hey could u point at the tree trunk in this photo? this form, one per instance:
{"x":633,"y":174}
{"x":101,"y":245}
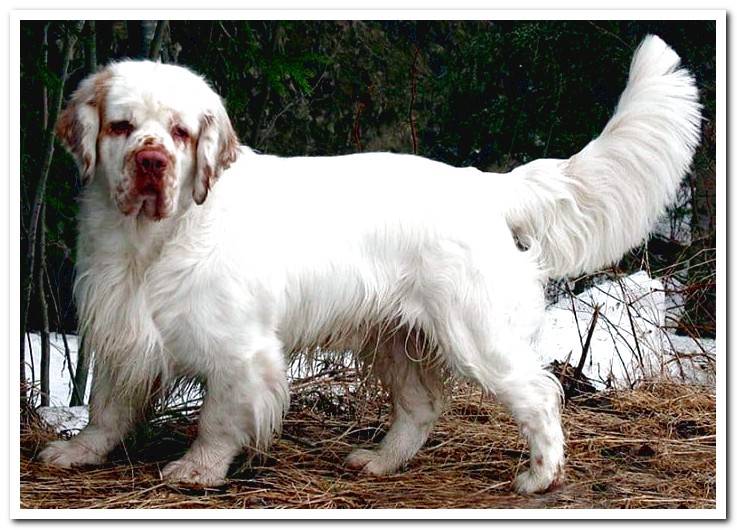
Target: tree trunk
{"x":81,"y":374}
{"x":135,"y":38}
{"x":140,"y":35}
{"x":148,"y":30}
{"x":154,"y":52}
{"x":703,"y":222}
{"x":262,"y":98}
{"x":45,"y":349}
{"x":45,"y":92}
{"x":105,"y":41}
{"x":90,"y":48}
{"x":701,"y":293}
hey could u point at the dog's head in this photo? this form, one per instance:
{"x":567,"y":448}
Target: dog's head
{"x":150,"y":130}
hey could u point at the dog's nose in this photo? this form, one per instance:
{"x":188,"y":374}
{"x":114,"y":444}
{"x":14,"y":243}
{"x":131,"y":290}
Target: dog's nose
{"x":151,"y":162}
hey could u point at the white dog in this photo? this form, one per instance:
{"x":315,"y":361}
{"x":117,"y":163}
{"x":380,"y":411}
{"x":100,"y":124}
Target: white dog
{"x":408,"y":262}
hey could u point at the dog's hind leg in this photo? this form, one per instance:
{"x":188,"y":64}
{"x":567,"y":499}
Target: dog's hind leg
{"x":484,"y":306}
{"x":534,"y":398}
{"x":416,"y":390}
{"x":489,"y":348}
{"x":532,"y":395}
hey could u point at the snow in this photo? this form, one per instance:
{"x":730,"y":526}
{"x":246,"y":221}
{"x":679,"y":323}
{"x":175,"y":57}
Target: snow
{"x":60,"y":383}
{"x":630,"y":343}
{"x":65,"y":420}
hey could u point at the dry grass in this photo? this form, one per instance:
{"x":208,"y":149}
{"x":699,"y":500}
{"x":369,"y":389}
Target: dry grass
{"x":653,"y":447}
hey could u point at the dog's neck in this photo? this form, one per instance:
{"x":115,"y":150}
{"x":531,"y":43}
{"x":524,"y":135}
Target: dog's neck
{"x":135,"y":239}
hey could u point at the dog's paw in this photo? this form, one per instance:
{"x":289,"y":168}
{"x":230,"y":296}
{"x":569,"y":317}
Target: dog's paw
{"x":69,"y":453}
{"x":193,"y":473}
{"x":369,"y":462}
{"x":529,"y":482}
{"x":359,"y":458}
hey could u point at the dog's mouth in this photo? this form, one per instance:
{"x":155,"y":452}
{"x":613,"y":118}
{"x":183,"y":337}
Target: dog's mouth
{"x":150,"y":208}
{"x":145,"y":202}
{"x":149,"y":195}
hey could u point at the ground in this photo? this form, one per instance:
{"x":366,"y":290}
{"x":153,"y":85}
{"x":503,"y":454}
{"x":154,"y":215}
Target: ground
{"x":653,"y":447}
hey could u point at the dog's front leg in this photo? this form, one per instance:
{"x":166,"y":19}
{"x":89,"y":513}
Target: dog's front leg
{"x":114,"y":408}
{"x":245,"y":402}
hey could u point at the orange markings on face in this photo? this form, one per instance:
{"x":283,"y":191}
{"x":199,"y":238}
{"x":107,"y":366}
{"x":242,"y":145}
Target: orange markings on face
{"x":180,"y":134}
{"x":100,"y":90}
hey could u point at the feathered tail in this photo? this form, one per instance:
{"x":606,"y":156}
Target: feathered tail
{"x":584,"y":213}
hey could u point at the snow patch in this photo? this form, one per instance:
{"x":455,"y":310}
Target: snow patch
{"x":60,"y":382}
{"x":65,"y":420}
{"x":630,"y":342}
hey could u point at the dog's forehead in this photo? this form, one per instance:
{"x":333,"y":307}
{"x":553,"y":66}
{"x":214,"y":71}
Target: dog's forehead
{"x":157,"y":90}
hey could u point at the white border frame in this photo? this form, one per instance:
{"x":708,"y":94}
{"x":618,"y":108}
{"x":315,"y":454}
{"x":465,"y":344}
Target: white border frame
{"x":13,"y":290}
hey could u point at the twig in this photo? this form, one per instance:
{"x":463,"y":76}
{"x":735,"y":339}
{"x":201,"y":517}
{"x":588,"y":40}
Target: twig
{"x":585,"y":351}
{"x":77,"y":398}
{"x":575,"y":313}
{"x":607,"y":32}
{"x":627,"y":305}
{"x":564,"y":369}
{"x":269,"y":128}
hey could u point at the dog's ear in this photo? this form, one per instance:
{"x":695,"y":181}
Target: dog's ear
{"x":217,"y":148}
{"x":78,"y":125}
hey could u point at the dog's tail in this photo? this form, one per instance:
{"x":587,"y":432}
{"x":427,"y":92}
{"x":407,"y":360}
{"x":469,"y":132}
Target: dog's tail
{"x":584,"y":213}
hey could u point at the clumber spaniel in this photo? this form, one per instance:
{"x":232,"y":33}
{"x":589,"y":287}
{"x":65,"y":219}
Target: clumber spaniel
{"x":199,"y":257}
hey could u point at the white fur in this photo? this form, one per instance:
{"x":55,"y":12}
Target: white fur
{"x":410,"y":263}
{"x":587,"y":211}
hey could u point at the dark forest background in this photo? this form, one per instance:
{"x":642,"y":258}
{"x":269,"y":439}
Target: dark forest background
{"x":489,"y":94}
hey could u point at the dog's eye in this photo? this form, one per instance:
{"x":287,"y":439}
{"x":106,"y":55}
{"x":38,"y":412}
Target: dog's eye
{"x":180,"y":132}
{"x":122,"y":127}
